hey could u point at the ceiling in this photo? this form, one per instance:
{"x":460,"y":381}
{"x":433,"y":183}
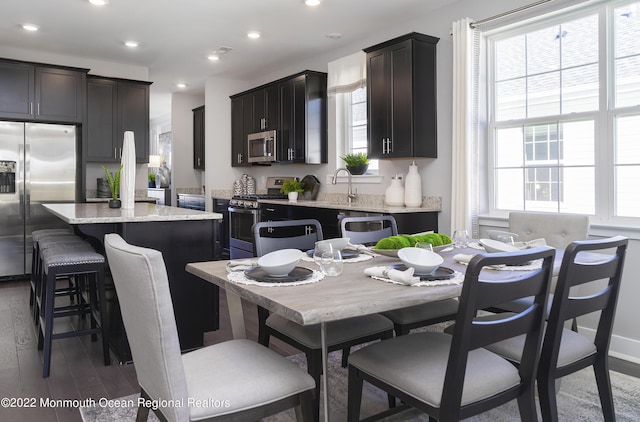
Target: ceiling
{"x":177,"y":36}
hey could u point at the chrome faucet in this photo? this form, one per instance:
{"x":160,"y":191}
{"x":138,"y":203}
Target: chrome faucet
{"x":350,"y":195}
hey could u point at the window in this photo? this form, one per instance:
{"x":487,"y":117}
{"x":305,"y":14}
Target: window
{"x":356,"y":124}
{"x":565,"y":114}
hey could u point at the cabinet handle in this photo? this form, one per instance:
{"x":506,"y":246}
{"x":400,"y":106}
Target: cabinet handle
{"x":115,"y":153}
{"x":384,"y":145}
{"x":38,"y":109}
{"x":263,"y":123}
{"x":31,"y":108}
{"x":198,"y":161}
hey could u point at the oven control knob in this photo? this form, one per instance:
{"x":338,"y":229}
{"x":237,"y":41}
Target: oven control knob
{"x":253,"y":204}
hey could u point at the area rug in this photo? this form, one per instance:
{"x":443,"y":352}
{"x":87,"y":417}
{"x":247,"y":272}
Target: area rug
{"x":577,"y":401}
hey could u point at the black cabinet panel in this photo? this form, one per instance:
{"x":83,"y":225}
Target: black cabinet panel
{"x":295,"y":107}
{"x":42,"y":93}
{"x":401,"y":94}
{"x":198,"y":138}
{"x":116,"y":106}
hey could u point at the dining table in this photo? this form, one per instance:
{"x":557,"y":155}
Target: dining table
{"x":350,"y":294}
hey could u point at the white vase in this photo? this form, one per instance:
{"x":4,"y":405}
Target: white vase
{"x":394,"y":195}
{"x":293,"y":196}
{"x":128,"y":172}
{"x":413,"y":187}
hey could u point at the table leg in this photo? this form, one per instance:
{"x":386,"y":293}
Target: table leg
{"x":236,"y":315}
{"x":325,"y":369}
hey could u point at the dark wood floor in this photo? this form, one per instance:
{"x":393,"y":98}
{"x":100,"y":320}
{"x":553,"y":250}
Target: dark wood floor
{"x":77,"y":370}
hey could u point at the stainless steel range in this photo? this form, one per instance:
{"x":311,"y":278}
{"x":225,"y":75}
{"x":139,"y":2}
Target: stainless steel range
{"x":244,"y":212}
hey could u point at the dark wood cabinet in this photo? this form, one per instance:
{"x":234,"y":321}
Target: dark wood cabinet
{"x":401,"y":97}
{"x":43,"y":93}
{"x":303,"y":119}
{"x":295,"y":106}
{"x":238,"y":133}
{"x":198,"y":138}
{"x":113,"y":107}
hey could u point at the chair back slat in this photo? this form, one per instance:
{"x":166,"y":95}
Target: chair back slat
{"x":501,"y":291}
{"x":264,"y":243}
{"x":387,"y":227}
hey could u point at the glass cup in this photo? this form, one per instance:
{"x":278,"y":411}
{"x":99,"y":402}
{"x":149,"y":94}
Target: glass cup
{"x":460,"y":238}
{"x":331,"y":263}
{"x":425,"y":245}
{"x":318,"y":251}
{"x":506,"y":238}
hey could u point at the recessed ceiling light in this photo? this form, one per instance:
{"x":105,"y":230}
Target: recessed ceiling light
{"x":334,"y":35}
{"x":213,"y":57}
{"x":131,"y":44}
{"x":99,"y":2}
{"x":181,"y":85}
{"x":312,"y":2}
{"x":253,"y":34}
{"x":30,"y":27}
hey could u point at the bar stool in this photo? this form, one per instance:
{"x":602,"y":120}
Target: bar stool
{"x":44,"y":242}
{"x":72,"y":260}
{"x":36,"y":236}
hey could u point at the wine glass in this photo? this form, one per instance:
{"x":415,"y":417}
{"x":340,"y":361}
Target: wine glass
{"x":460,"y":238}
{"x":332,"y":262}
{"x":425,"y":245}
{"x":318,"y":251}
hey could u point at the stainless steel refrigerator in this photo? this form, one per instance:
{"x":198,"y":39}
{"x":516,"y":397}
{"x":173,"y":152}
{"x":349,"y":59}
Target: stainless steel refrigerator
{"x":37,"y":165}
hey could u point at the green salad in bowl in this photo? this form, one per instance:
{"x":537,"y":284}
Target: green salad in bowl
{"x":390,"y":245}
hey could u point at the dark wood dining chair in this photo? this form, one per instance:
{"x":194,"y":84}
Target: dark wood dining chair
{"x":369,"y":230}
{"x":587,"y":284}
{"x":451,"y":377}
{"x":341,"y":335}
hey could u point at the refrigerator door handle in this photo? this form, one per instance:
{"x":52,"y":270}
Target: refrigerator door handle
{"x":27,"y":181}
{"x":19,"y":179}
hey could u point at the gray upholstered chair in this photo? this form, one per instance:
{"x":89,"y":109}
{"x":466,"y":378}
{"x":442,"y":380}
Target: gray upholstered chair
{"x":452,"y":377}
{"x":405,"y":319}
{"x":250,"y":380}
{"x":565,"y":351}
{"x":341,"y":335}
{"x":557,"y":229}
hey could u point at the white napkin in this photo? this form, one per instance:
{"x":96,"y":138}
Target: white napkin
{"x":462,"y":258}
{"x":404,"y":277}
{"x":241,"y":265}
{"x":359,"y":248}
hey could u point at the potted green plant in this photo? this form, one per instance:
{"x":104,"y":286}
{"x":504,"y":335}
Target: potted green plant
{"x":292,"y":188}
{"x":152,"y":180}
{"x":114,"y":185}
{"x":357,"y":163}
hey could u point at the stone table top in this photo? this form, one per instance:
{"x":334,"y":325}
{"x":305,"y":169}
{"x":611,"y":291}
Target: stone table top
{"x":97,"y":213}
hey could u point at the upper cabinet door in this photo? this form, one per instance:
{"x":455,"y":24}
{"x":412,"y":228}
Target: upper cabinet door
{"x":60,"y":95}
{"x":198,"y":138}
{"x":401,"y":97}
{"x":133,"y":115}
{"x":102,"y":97}
{"x":17,"y":88}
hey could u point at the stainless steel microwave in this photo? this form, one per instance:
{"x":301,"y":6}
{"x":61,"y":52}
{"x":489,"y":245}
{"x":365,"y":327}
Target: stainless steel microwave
{"x":262,"y":147}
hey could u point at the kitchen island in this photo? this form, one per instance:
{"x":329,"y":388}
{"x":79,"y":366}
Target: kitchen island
{"x":182,"y":235}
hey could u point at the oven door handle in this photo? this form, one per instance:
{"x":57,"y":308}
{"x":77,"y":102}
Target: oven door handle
{"x":243,"y":210}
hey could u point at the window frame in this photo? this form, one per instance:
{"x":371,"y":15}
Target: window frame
{"x":604,"y":117}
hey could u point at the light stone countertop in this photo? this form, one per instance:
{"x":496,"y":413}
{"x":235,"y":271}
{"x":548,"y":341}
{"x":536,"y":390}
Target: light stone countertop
{"x":97,"y":213}
{"x":427,"y":206}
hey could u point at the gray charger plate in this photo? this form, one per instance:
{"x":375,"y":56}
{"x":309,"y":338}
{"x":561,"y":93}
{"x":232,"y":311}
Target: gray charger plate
{"x":441,"y":273}
{"x":297,"y":274}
